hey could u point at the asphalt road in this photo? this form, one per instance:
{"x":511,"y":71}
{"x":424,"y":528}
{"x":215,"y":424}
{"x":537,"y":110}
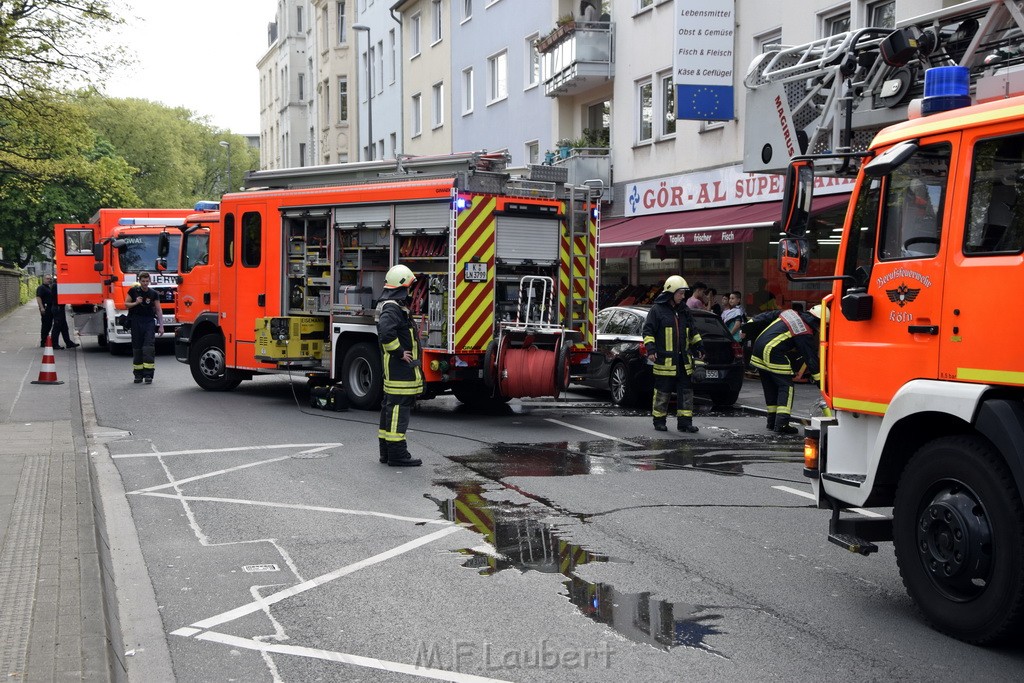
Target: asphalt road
{"x":585,"y":546}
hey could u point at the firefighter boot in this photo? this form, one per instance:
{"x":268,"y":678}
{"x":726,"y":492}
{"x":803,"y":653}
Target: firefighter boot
{"x":685,"y":424}
{"x":659,"y":424}
{"x":771,"y":422}
{"x":399,"y":456}
{"x":782,"y":426}
{"x":383,"y":446}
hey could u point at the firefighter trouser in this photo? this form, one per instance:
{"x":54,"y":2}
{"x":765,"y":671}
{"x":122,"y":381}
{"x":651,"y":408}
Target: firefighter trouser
{"x":46,"y":318}
{"x":394,"y":421}
{"x":143,"y":346}
{"x":778,"y":393}
{"x":664,"y":387}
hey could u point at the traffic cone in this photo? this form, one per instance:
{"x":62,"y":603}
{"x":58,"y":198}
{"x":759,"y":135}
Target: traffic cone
{"x":48,"y":370}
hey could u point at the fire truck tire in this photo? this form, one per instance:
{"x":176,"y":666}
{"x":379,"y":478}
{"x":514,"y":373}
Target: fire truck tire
{"x":208,"y":365}
{"x":362,"y":375}
{"x":562,"y":367}
{"x":490,"y":370}
{"x":958,"y":530}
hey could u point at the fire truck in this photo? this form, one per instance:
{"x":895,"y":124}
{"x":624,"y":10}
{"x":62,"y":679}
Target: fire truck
{"x":506,"y":277}
{"x":98,"y":262}
{"x":920,"y":368}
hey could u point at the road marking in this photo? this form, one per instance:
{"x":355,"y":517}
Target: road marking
{"x":263,"y":603}
{"x":593,"y":433}
{"x":297,"y":506}
{"x":808,"y":494}
{"x":208,"y":474}
{"x":233,"y":449}
{"x":345,"y":658}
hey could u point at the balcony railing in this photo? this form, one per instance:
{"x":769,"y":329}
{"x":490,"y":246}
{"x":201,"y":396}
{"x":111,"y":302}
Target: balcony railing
{"x":589,"y":163}
{"x":578,"y":56}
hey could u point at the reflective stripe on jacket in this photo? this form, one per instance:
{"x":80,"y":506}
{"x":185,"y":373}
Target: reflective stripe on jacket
{"x":397,"y":334}
{"x":790,"y":333}
{"x":670,"y":333}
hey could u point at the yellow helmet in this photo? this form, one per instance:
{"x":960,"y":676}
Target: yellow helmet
{"x":816,"y":312}
{"x":675,"y":282}
{"x":399,"y":276}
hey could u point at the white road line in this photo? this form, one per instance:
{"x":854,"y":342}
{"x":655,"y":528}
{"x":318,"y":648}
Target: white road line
{"x":262,"y":603}
{"x":599,"y":434}
{"x":233,"y":449}
{"x":208,"y":474}
{"x":808,"y":494}
{"x":297,"y":506}
{"x":345,"y":658}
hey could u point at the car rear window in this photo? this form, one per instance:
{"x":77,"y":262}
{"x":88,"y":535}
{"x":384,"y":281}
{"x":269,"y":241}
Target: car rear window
{"x":711,"y":326}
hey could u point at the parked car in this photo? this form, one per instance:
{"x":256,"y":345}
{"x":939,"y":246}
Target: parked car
{"x":619,"y":360}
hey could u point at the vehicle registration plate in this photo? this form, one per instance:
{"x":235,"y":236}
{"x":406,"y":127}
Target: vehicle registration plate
{"x":711,"y":374}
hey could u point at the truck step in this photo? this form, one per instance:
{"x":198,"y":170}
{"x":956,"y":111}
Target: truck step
{"x":853,"y":543}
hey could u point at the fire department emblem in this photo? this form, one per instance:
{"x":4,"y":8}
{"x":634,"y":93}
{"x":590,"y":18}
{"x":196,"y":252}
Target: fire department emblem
{"x":902,"y":295}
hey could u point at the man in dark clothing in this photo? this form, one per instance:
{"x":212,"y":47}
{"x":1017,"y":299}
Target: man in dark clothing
{"x":60,"y":322}
{"x":145,"y":318}
{"x":671,"y":340}
{"x":44,"y":301}
{"x":788,"y":334}
{"x":403,"y":379}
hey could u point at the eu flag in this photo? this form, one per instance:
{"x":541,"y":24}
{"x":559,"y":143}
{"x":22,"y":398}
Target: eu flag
{"x":704,"y":102}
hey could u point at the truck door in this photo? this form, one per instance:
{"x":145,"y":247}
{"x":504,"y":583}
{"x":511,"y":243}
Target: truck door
{"x":985,"y":274}
{"x":252,"y":272}
{"x":896,"y":245}
{"x":79,"y":282}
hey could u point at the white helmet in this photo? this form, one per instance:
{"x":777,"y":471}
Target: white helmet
{"x":674,"y":283}
{"x":816,"y":312}
{"x":399,"y":276}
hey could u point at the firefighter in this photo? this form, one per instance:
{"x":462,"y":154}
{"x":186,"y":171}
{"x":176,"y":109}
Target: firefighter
{"x":403,"y":379}
{"x":671,"y":340}
{"x":788,"y":334}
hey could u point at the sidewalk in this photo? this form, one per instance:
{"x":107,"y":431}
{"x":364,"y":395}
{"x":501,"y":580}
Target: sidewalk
{"x":53,"y":559}
{"x":805,"y":399}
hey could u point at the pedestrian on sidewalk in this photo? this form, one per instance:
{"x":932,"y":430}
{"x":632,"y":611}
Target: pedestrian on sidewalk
{"x":145,"y":318}
{"x":789,"y":334}
{"x":403,"y":379}
{"x":60,"y":321}
{"x":671,"y":340}
{"x":44,"y":299}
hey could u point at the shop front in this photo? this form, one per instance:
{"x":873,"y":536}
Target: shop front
{"x":718,"y":227}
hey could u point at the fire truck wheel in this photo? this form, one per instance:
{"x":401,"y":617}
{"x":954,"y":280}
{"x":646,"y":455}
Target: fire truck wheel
{"x":490,"y":369}
{"x":362,"y":376}
{"x":958,"y":530}
{"x":208,"y":365}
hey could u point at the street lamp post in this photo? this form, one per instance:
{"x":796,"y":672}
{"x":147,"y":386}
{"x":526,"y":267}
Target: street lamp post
{"x":227,"y":181}
{"x":369,"y":91}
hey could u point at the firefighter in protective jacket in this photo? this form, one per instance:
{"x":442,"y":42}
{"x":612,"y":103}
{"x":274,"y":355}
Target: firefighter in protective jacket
{"x":789,"y":334}
{"x":403,"y":379}
{"x":671,"y":341}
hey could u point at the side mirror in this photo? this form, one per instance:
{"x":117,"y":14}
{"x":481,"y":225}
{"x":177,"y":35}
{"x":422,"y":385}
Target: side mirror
{"x":118,"y":244}
{"x":891,"y":159}
{"x":98,"y":266}
{"x":793,"y":255}
{"x":161,"y":265}
{"x":163,"y":245}
{"x":97,"y":252}
{"x":796,"y":200}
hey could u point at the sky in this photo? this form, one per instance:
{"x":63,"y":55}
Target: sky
{"x":197,"y":54}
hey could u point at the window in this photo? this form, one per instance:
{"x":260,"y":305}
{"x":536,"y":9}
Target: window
{"x":497,"y":71}
{"x":298,"y":20}
{"x":435,"y":14}
{"x":645,"y":112}
{"x":416,"y":115}
{"x":834,"y":24}
{"x":914,"y":196}
{"x":252,"y":239}
{"x":995,"y":214}
{"x":414,"y":35}
{"x":343,"y":99}
{"x":437,"y":105}
{"x":229,"y":240}
{"x":327,"y":104}
{"x":302,"y":154}
{"x":533,"y":63}
{"x":767,"y":41}
{"x":467,"y":10}
{"x":533,"y":152}
{"x":342,"y":33}
{"x":392,"y":55}
{"x":378,"y":65}
{"x":882,"y":14}
{"x":302,"y":87}
{"x":668,"y":107}
{"x":77,"y":242}
{"x":196,"y":249}
{"x":467,"y":91}
{"x":644,"y":4}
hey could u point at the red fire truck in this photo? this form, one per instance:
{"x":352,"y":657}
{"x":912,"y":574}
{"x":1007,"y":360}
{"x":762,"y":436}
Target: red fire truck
{"x":506,"y":269}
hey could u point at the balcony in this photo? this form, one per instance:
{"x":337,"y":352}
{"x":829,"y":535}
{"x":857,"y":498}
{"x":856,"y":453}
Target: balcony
{"x":578,"y":57}
{"x":588,"y":163}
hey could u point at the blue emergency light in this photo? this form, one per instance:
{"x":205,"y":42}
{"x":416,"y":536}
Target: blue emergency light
{"x":946,"y":88}
{"x":207,"y":206}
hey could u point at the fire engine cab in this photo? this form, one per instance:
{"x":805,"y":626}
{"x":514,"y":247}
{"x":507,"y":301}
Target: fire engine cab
{"x":506,"y":276}
{"x":922,"y":373}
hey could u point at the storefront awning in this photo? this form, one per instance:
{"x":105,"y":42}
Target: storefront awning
{"x":623,"y":237}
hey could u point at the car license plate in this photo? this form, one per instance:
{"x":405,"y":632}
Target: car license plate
{"x":711,"y":374}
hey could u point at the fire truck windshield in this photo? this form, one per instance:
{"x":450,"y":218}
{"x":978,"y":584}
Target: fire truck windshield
{"x":140,"y":252}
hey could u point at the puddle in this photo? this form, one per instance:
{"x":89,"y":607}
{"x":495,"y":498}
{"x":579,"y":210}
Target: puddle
{"x":517,"y":537}
{"x":563,"y":459}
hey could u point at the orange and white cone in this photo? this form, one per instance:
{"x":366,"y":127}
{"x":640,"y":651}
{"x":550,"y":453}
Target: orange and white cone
{"x":48,"y":370}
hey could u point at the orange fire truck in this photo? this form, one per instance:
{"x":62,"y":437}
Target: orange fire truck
{"x":98,"y":262}
{"x":921,"y":370}
{"x":506,"y":276}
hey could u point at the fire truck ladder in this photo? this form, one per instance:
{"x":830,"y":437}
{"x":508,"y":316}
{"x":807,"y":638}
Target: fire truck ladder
{"x":580,"y":295}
